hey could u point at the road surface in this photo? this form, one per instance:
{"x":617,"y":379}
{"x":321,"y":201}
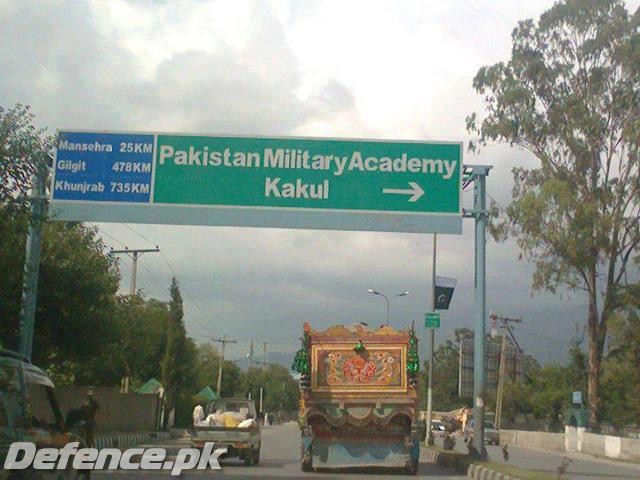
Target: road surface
{"x":582,"y":467}
{"x":279,"y":459}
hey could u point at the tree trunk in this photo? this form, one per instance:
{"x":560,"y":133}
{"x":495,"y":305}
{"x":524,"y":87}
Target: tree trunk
{"x":594,"y":356}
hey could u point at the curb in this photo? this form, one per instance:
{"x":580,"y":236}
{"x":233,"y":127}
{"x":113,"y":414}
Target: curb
{"x":125,"y":440}
{"x":462,"y":465}
{"x":457,"y":462}
{"x":478,"y":472}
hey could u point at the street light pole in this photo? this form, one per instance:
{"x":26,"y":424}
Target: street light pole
{"x":33,"y":247}
{"x":386,"y":299}
{"x":432,"y":341}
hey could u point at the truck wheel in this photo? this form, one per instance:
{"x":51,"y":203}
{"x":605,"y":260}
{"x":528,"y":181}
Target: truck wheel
{"x":306,"y":464}
{"x":249,"y":458}
{"x":411,"y":467}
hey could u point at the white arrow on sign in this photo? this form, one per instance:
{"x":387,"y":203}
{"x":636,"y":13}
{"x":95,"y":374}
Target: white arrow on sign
{"x":415,"y":191}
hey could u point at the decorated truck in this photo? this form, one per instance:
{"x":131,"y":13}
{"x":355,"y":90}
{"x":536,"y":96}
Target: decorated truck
{"x":358,"y":395}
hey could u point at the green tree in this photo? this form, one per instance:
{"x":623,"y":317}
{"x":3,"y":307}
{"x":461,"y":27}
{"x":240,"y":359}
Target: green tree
{"x":445,"y":376}
{"x":570,"y":95}
{"x":21,"y":144}
{"x":547,"y":391}
{"x":184,"y":396}
{"x":208,"y":360}
{"x":621,"y":368}
{"x":76,"y":290}
{"x":445,"y":373}
{"x":174,"y":366}
{"x":280,"y":390}
{"x":141,"y":325}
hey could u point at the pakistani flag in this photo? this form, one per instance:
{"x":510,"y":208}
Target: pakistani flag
{"x":444,"y":292}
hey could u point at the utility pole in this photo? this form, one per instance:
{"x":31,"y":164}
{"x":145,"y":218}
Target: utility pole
{"x":251,"y":355}
{"x":38,"y":203}
{"x":503,"y":354}
{"x":432,"y":336}
{"x":264,"y":354}
{"x":134,"y":254}
{"x":261,"y":397}
{"x":224,"y":340}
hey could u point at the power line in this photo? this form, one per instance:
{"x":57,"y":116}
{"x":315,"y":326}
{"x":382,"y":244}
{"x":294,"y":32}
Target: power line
{"x":110,"y":236}
{"x":224,"y":340}
{"x":186,"y":292}
{"x":173,"y":272}
{"x":146,"y":239}
{"x":134,"y":254}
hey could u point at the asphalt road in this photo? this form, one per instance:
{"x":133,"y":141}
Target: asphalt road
{"x":279,"y":459}
{"x":582,"y":467}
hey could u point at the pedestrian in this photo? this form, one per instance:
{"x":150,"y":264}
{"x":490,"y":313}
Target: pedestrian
{"x":90,"y":409}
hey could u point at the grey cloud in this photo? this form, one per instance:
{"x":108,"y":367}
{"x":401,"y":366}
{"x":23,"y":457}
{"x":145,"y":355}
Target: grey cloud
{"x":261,"y":284}
{"x":75,"y":77}
{"x":333,"y":97}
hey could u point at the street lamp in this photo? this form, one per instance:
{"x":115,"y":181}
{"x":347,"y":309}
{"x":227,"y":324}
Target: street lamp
{"x":386,"y":299}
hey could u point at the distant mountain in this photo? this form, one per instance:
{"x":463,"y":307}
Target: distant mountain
{"x":281,"y":358}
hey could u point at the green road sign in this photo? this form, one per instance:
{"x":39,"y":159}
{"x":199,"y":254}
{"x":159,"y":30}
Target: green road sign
{"x":432,"y":320}
{"x":281,"y":182}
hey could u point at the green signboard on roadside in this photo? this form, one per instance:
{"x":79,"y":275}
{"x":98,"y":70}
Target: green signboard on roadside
{"x":259,"y":181}
{"x":432,"y":320}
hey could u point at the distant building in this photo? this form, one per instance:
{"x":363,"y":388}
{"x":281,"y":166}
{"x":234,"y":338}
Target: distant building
{"x":514,"y":365}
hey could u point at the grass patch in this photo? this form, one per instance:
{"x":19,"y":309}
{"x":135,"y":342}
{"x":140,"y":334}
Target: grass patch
{"x":520,"y":473}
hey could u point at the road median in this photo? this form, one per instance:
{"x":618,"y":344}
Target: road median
{"x":473,"y":468}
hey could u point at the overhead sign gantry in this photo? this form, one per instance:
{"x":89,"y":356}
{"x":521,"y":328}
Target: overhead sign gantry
{"x":258,"y":181}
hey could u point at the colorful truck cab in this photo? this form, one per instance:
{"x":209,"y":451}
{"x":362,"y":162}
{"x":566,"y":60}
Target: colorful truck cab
{"x":358,"y":398}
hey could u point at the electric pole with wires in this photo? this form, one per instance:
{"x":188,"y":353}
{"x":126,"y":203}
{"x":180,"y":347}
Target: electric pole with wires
{"x":224,"y":340}
{"x":505,"y":321}
{"x":134,"y":254}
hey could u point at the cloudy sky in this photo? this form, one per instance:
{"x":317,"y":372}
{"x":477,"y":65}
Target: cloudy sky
{"x":375,"y":69}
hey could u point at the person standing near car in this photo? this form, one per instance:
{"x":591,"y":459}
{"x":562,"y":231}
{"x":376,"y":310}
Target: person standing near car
{"x":90,"y":409}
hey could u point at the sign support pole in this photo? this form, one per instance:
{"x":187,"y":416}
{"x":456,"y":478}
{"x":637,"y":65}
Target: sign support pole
{"x":432,"y":334}
{"x":32,"y":257}
{"x":478,"y":176}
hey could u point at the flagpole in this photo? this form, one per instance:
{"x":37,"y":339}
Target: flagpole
{"x":432,"y":334}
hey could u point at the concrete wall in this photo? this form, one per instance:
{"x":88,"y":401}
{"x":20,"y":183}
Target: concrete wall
{"x":119,"y":412}
{"x":630,"y":449}
{"x":593,"y":444}
{"x":537,"y":440}
{"x":575,"y":440}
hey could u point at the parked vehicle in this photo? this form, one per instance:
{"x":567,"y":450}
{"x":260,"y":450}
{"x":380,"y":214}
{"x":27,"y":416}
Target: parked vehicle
{"x":230,"y":423}
{"x":358,"y":398}
{"x":438,"y":428}
{"x":491,"y":435}
{"x":29,"y":412}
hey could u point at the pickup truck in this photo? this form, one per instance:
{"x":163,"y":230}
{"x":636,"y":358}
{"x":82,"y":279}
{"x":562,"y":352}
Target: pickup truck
{"x":241,"y":442}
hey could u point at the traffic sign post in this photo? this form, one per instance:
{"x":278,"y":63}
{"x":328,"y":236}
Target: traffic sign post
{"x":257,"y":181}
{"x":478,"y":175}
{"x":432,"y":320}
